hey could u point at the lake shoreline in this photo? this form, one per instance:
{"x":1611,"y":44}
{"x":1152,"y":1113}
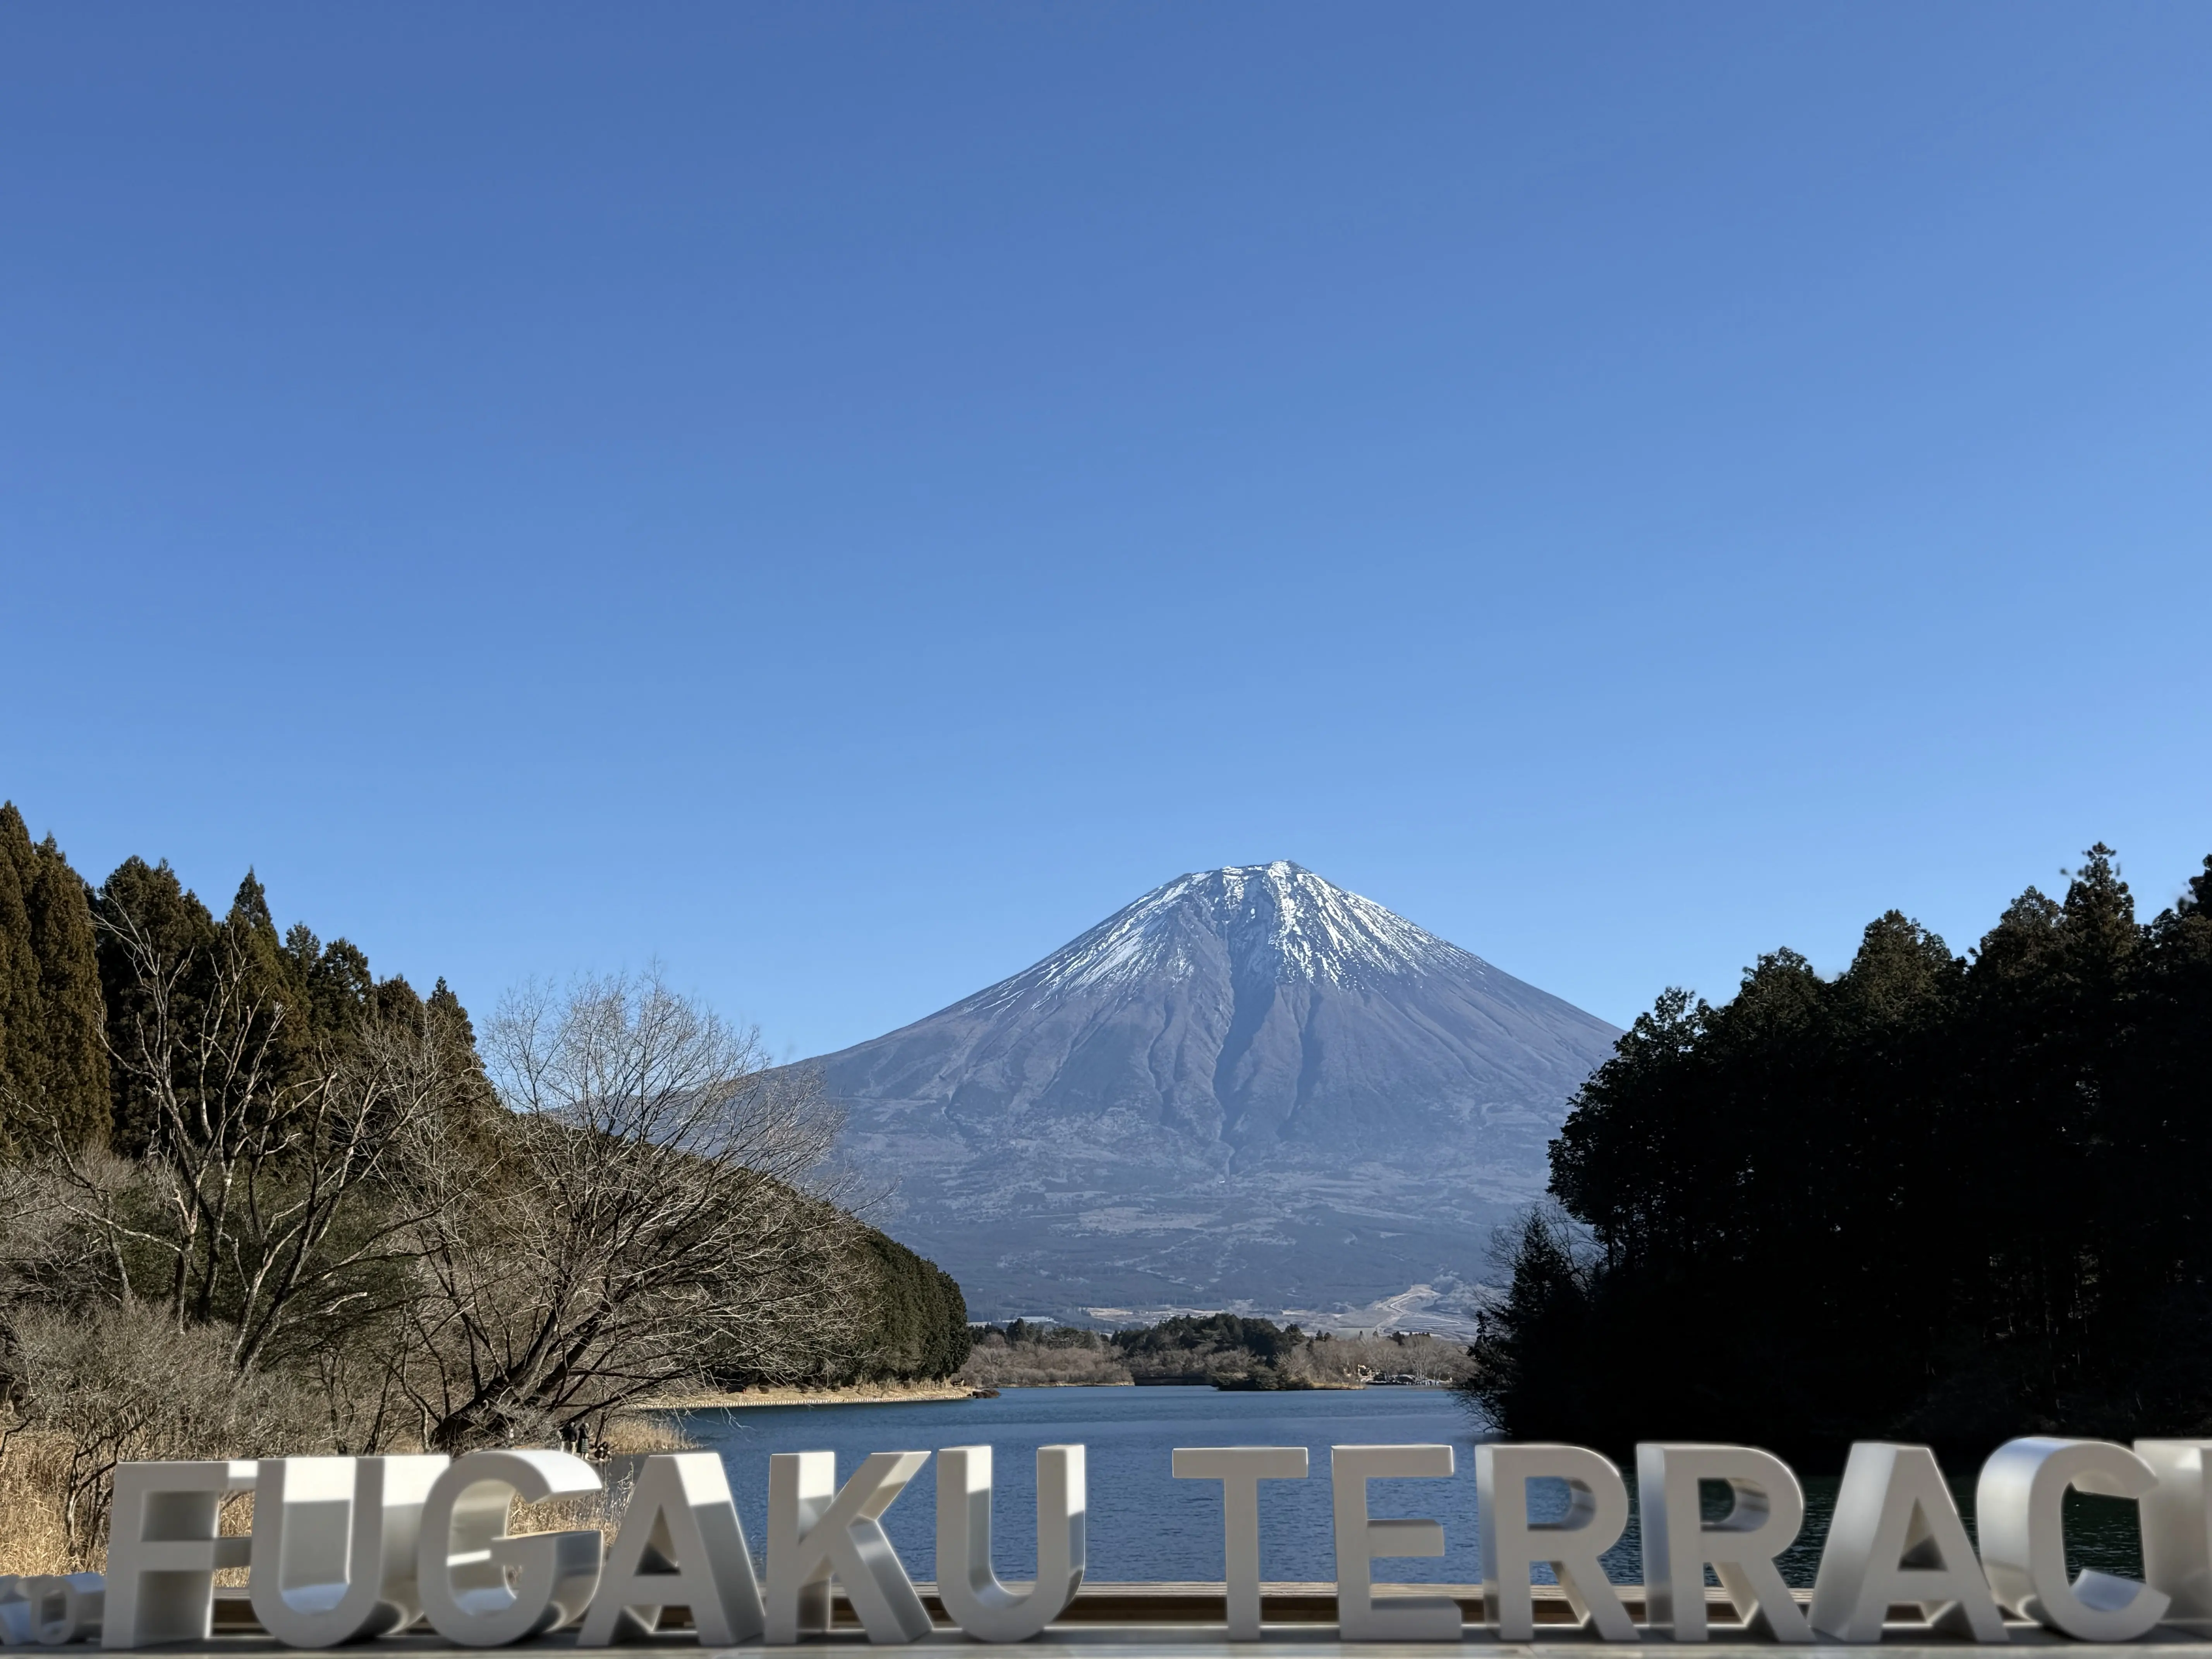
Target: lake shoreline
{"x":890,"y":1394}
{"x":858,"y":1394}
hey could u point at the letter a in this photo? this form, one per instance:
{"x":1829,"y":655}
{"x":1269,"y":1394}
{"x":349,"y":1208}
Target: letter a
{"x":681,"y":1545}
{"x":1897,"y":1537}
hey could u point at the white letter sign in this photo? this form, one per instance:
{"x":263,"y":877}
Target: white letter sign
{"x":465,"y":1553}
{"x":1240,"y":1469}
{"x":681,"y":1545}
{"x":1360,"y":1542}
{"x":1897,"y":1537}
{"x":334,"y":1546}
{"x":59,"y":1608}
{"x":2020,"y":1506}
{"x":349,"y":1549}
{"x":1597,"y":1513}
{"x":971,"y":1592}
{"x":162,"y":1550}
{"x":2177,"y":1541}
{"x":1678,"y":1542}
{"x":813,"y":1536}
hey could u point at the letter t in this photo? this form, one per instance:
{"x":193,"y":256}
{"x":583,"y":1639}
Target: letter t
{"x":1240,"y":1469}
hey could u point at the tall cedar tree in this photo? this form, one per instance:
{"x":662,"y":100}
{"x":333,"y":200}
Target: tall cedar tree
{"x":53,"y":1063}
{"x":1941,"y":1199}
{"x":921,"y":1329}
{"x":310,"y":994}
{"x":183,"y":933}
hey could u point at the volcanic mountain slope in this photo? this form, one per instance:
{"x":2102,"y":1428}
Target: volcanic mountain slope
{"x":1250,"y":1088}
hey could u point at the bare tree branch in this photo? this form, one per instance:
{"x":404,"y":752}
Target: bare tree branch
{"x":654,"y":1220}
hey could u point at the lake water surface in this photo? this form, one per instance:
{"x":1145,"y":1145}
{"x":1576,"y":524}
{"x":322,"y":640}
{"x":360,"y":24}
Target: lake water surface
{"x":1147,"y":1526}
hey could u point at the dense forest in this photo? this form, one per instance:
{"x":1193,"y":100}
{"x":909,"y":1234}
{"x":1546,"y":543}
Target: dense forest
{"x":255,"y":1198}
{"x":1935,"y":1198}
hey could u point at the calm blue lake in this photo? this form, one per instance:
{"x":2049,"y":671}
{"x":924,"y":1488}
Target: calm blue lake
{"x":1146,"y":1525}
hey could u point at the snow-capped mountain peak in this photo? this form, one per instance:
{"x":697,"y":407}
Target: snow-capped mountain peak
{"x":1276,"y":921}
{"x":1248,"y":1084}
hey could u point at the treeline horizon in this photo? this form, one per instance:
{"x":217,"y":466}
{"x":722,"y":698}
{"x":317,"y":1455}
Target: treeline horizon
{"x":1220,"y":1350}
{"x":1938,"y":1198}
{"x":254,"y":1199}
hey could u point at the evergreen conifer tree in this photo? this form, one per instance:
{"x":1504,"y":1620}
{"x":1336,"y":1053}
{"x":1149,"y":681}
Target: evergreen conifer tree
{"x":447,"y":1007}
{"x":149,"y":902}
{"x":18,"y":979}
{"x":1975,"y":1187}
{"x":53,"y":1063}
{"x":71,"y":1014}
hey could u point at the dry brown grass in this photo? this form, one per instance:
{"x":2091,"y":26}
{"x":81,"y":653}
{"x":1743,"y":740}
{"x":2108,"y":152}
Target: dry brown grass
{"x":33,"y":1535}
{"x":34,"y":1468}
{"x":636,"y":1434}
{"x":633,"y":1433}
{"x":599,"y":1511}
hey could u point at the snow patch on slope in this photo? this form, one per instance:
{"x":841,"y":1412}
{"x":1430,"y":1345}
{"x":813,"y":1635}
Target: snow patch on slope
{"x":1276,"y":921}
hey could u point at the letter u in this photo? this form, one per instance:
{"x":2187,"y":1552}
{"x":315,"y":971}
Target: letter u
{"x":334,"y":1545}
{"x":985,"y":1609}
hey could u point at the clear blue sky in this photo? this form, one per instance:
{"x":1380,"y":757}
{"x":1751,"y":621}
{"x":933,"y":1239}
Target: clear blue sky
{"x":839,"y":498}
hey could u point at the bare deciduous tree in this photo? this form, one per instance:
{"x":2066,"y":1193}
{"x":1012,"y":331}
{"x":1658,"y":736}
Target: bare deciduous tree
{"x":365,"y":1244}
{"x":268,"y":1185}
{"x":647,"y":1218}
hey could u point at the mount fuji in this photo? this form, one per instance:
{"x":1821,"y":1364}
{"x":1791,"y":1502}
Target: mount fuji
{"x":1248,"y":1090}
